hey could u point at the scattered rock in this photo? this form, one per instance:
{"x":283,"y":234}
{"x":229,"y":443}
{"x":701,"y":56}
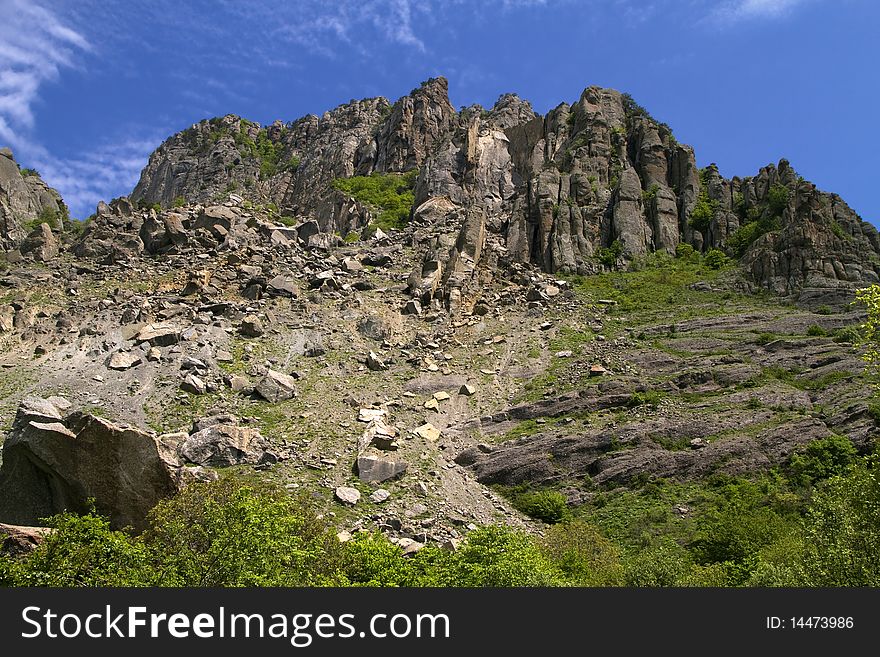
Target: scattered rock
{"x":348,"y":495}
{"x":380,"y":495}
{"x":251,"y":327}
{"x":123,"y":360}
{"x":428,"y":431}
{"x":276,"y":387}
{"x":194,"y":385}
{"x":375,"y":469}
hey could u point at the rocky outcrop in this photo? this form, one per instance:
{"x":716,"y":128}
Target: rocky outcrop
{"x":54,"y":463}
{"x":553,"y":190}
{"x":24,"y":200}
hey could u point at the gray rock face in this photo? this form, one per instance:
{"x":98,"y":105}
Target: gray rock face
{"x":41,"y":244}
{"x":24,"y":198}
{"x":52,"y":464}
{"x":506,"y":182}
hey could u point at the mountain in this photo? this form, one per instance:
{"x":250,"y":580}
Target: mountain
{"x":431,"y":320}
{"x":555,"y":190}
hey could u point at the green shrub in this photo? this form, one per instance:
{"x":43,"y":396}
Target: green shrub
{"x":848,"y":334}
{"x":499,"y":556}
{"x":179,"y":202}
{"x":82,"y":551}
{"x":740,"y":240}
{"x":372,"y":560}
{"x":765,"y":338}
{"x":715,"y":259}
{"x":390,"y":195}
{"x":815,"y":330}
{"x":650,"y":194}
{"x":684,"y":251}
{"x":842,"y":529}
{"x":292,"y":163}
{"x":661,"y":563}
{"x":650,"y":398}
{"x":823,"y":310}
{"x":583,"y":555}
{"x":838,"y":231}
{"x":608,"y":255}
{"x":702,"y":214}
{"x":549,"y":506}
{"x":29,"y":172}
{"x":352,"y":237}
{"x":226,"y":534}
{"x":777,"y":199}
{"x":743,"y":519}
{"x":821,"y":459}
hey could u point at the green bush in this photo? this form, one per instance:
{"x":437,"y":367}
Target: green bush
{"x":82,"y":551}
{"x":821,"y":459}
{"x":584,"y":556}
{"x":650,"y":398}
{"x":225,"y":534}
{"x":179,"y":202}
{"x":684,"y":251}
{"x":815,"y":330}
{"x":765,"y":338}
{"x":715,"y":259}
{"x":842,"y":530}
{"x":549,"y":506}
{"x":608,"y":255}
{"x":390,"y":195}
{"x":740,"y":240}
{"x":372,"y":560}
{"x":662,"y":563}
{"x":29,"y":172}
{"x":838,"y":231}
{"x":292,"y":163}
{"x":848,"y":334}
{"x":702,"y":214}
{"x":777,"y":199}
{"x":498,"y":556}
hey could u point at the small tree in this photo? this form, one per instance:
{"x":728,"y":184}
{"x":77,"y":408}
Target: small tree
{"x":870,"y":296}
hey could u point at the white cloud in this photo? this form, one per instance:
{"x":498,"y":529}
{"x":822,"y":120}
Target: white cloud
{"x":735,"y":11}
{"x":35,"y":47}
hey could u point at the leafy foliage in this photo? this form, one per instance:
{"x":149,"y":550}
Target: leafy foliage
{"x":608,"y":255}
{"x":549,"y":506}
{"x":740,"y":240}
{"x":715,"y":259}
{"x":821,"y":459}
{"x":777,"y":199}
{"x":870,"y":296}
{"x":227,"y":535}
{"x":390,"y":195}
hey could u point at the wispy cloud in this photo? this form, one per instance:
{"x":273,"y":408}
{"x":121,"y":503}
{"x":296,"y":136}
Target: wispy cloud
{"x":36,"y":46}
{"x":735,"y":11}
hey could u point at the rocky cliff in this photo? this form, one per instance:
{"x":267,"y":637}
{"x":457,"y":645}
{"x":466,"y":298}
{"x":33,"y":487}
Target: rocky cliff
{"x":590,"y":185}
{"x":25,"y":202}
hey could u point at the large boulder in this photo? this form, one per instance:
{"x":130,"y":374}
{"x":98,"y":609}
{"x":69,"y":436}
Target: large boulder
{"x":52,"y":464}
{"x":41,"y":244}
{"x":276,"y":387}
{"x":223,"y":445}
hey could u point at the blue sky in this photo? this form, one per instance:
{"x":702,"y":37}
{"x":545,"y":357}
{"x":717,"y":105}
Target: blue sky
{"x":88,"y":88}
